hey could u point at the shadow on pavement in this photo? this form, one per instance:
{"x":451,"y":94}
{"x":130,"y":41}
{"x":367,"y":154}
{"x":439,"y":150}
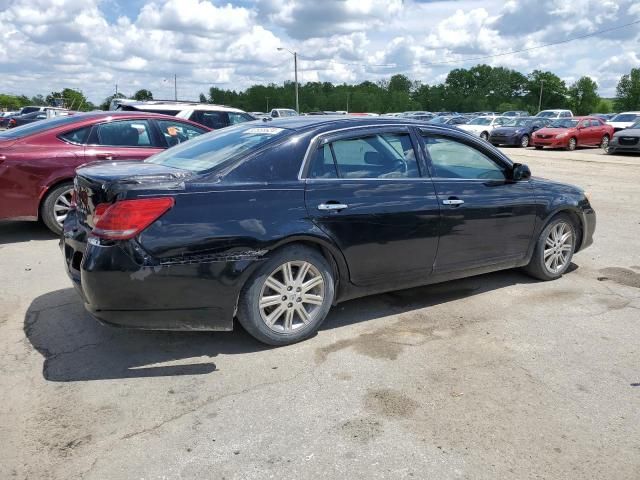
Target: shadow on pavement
{"x":76,"y":347}
{"x":16,"y":232}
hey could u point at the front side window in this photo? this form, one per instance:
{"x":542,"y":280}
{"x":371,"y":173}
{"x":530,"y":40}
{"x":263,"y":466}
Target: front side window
{"x":237,"y":117}
{"x":453,"y":159}
{"x":212,"y":119}
{"x":125,"y":133}
{"x":175,"y":132}
{"x":384,"y":155}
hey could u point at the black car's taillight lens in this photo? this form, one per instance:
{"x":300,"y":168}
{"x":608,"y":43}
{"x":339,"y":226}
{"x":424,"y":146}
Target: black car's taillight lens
{"x":127,"y":218}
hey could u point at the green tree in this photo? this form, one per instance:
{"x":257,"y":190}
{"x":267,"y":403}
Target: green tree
{"x":69,"y":98}
{"x":583,"y":96}
{"x":628,"y":91}
{"x":554,"y":91}
{"x":143,"y":95}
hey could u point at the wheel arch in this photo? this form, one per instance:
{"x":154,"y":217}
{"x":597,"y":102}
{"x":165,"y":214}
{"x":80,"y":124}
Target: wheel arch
{"x":574,"y":214}
{"x":47,"y":189}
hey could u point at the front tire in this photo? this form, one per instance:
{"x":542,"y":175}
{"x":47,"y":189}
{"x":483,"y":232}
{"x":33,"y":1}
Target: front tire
{"x":56,"y":206}
{"x":288,"y":297}
{"x":554,"y":249}
{"x":573,"y":143}
{"x":604,"y":144}
{"x":484,"y":136}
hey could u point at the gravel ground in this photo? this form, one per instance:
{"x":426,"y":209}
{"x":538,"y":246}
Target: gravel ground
{"x":492,"y":377}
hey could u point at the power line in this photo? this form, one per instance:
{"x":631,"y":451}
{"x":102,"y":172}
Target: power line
{"x":512,"y":52}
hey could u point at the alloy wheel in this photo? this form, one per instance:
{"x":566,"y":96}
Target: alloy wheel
{"x":558,"y":247}
{"x":572,"y":144}
{"x":291,"y":296}
{"x":62,"y":206}
{"x":524,"y":141}
{"x":605,"y":143}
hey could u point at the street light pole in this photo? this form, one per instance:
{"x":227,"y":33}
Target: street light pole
{"x":295,"y":68}
{"x":540,"y":100}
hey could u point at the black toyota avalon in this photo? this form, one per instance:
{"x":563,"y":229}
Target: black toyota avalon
{"x":273,"y":222}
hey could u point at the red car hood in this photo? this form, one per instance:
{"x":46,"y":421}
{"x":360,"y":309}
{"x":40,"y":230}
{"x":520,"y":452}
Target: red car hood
{"x":553,"y":131}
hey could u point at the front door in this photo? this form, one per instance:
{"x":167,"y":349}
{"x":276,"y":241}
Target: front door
{"x":365,"y":190}
{"x":486,"y":217}
{"x":121,"y":140}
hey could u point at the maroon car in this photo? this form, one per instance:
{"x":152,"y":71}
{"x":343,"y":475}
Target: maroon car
{"x":38,"y":161}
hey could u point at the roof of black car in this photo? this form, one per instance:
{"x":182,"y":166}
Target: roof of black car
{"x":304,"y":122}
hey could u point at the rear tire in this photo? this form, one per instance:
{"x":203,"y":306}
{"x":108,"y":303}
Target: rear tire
{"x":288,"y":297}
{"x":484,"y":136}
{"x":554,"y":249}
{"x":55,"y":207}
{"x":573,"y":143}
{"x":524,"y":141}
{"x":604,"y":144}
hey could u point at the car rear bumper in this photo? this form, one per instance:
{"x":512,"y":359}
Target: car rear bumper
{"x":118,"y":288}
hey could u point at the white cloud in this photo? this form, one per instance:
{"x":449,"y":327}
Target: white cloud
{"x":46,"y":45}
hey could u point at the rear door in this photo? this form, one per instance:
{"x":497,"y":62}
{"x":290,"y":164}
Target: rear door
{"x":131,"y":139}
{"x":365,"y":189}
{"x":486,"y":217}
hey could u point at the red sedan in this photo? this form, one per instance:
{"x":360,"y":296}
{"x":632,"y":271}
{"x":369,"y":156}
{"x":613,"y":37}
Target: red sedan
{"x":38,"y":161}
{"x":573,"y":132}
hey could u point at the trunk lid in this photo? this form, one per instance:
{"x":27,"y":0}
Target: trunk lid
{"x":106,"y":182}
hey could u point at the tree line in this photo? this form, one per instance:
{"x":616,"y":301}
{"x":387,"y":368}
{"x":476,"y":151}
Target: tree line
{"x":480,"y":88}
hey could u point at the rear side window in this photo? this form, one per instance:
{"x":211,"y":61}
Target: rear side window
{"x":125,"y":133}
{"x":211,"y":119}
{"x":322,"y":165}
{"x":385,"y":155}
{"x":596,"y":123}
{"x":453,"y":159}
{"x":237,"y":117}
{"x":78,"y":136}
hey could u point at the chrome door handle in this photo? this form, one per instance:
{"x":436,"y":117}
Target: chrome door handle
{"x":332,"y":206}
{"x":453,"y":202}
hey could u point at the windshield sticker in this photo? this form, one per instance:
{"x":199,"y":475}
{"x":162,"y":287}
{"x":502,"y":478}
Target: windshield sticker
{"x":265,"y":130}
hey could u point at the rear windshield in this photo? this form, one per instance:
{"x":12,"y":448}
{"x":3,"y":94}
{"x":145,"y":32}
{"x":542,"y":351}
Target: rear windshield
{"x":625,"y":117}
{"x":38,"y":127}
{"x":547,"y":114}
{"x":213,"y":149}
{"x":518,"y":122}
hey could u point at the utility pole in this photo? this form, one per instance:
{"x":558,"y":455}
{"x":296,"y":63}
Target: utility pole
{"x":267,"y":111}
{"x":175,"y":86}
{"x":116,"y":95}
{"x":348,"y":102}
{"x":540,"y":101}
{"x":295,"y":67}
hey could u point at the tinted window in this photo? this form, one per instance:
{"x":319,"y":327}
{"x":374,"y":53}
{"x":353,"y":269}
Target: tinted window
{"x":215,"y":148}
{"x":387,"y":155}
{"x":322,"y":165}
{"x":625,"y":117}
{"x":178,"y":132}
{"x":480,"y":121}
{"x":236,"y":117}
{"x":78,"y":136}
{"x":596,"y":123}
{"x":211,"y":119}
{"x":29,"y":110}
{"x":452,"y":159}
{"x":565,"y":114}
{"x":563,"y":123}
{"x":125,"y":133}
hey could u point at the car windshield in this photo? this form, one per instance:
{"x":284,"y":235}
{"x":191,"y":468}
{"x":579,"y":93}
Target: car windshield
{"x":517,"y":122}
{"x":213,"y":149}
{"x":636,"y":125}
{"x":38,"y":127}
{"x":563,"y":123}
{"x":625,"y":117}
{"x":439,"y":120}
{"x":547,"y":114}
{"x":480,"y":121}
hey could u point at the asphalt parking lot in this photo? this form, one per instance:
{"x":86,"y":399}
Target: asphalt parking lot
{"x":492,"y":377}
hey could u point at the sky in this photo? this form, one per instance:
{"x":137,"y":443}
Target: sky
{"x":92,"y":45}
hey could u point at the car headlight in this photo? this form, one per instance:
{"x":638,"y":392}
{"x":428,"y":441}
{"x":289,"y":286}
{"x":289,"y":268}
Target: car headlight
{"x":561,"y":135}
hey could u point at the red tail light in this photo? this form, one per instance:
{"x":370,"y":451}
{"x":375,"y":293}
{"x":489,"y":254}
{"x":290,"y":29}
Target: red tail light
{"x":128,"y":218}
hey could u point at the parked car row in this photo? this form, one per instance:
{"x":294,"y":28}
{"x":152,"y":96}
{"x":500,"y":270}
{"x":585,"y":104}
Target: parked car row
{"x":30,"y":114}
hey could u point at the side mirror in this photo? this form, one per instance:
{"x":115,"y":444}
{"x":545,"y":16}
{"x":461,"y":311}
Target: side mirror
{"x":520,"y":171}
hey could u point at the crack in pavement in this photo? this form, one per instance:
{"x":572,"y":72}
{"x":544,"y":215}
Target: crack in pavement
{"x":207,"y":402}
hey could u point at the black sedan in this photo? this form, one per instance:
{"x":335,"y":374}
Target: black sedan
{"x":517,"y":132}
{"x":625,"y":141}
{"x":273,"y":222}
